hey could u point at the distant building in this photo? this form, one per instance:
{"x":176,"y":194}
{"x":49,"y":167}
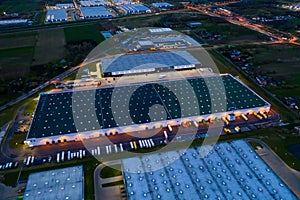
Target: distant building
{"x":162,"y":5}
{"x":295,"y":7}
{"x":93,"y":3}
{"x":148,"y":62}
{"x":64,"y":183}
{"x":56,"y":15}
{"x":95,"y":12}
{"x":194,"y":24}
{"x":134,"y":8}
{"x":10,"y":22}
{"x":120,"y":2}
{"x":64,"y":5}
{"x":106,"y":34}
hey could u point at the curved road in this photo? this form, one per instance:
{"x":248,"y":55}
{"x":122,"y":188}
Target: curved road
{"x":106,"y":192}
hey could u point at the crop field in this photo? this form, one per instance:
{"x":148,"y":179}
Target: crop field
{"x":85,"y":32}
{"x":17,"y":40}
{"x":50,"y":46}
{"x":15,"y":62}
{"x":16,"y":52}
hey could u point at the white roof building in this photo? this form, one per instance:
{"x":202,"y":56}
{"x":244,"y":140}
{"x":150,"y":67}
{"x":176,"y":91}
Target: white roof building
{"x":228,"y":170}
{"x":95,"y":12}
{"x":56,"y":15}
{"x":64,"y":5}
{"x":93,"y":3}
{"x":65,"y":183}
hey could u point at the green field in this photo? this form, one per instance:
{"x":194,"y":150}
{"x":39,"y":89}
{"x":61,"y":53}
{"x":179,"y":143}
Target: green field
{"x":30,"y":107}
{"x":17,"y":140}
{"x":121,"y":182}
{"x":85,"y":32}
{"x":50,"y":46}
{"x":111,"y":171}
{"x":16,"y":53}
{"x":15,"y":62}
{"x":18,"y":40}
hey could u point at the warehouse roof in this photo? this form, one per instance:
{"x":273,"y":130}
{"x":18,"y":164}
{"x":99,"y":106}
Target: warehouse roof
{"x":65,"y":183}
{"x":147,"y":60}
{"x":95,"y":12}
{"x":162,"y":5}
{"x":134,"y":8}
{"x":230,"y":170}
{"x":64,"y":5}
{"x":56,"y":14}
{"x":128,"y":105}
{"x":89,"y":3}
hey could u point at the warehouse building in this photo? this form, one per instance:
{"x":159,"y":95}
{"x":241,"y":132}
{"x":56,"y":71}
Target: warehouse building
{"x":82,"y":114}
{"x":95,"y":12}
{"x":64,"y":183}
{"x":64,"y":5}
{"x":148,"y":62}
{"x":134,"y":9}
{"x":93,"y":3}
{"x":56,"y":15}
{"x":162,"y":5}
{"x":120,"y":2}
{"x":164,"y":38}
{"x":229,"y":170}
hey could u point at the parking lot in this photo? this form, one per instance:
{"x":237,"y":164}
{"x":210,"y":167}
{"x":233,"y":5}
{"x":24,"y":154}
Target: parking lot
{"x":103,"y":146}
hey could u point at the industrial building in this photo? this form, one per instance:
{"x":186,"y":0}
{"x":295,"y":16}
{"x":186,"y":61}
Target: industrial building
{"x":148,"y":62}
{"x":91,"y":3}
{"x":95,"y":12}
{"x":56,"y":15}
{"x":10,"y":22}
{"x":134,"y":9}
{"x":229,"y":170}
{"x":165,"y":38}
{"x":64,"y":5}
{"x":82,"y":114}
{"x":120,"y":2}
{"x":64,"y":183}
{"x":106,"y":34}
{"x":162,"y":5}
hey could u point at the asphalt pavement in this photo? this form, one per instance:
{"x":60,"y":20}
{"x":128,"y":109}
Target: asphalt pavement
{"x":106,"y":192}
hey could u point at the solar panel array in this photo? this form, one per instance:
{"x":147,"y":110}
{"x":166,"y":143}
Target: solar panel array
{"x":104,"y":108}
{"x":225,"y":171}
